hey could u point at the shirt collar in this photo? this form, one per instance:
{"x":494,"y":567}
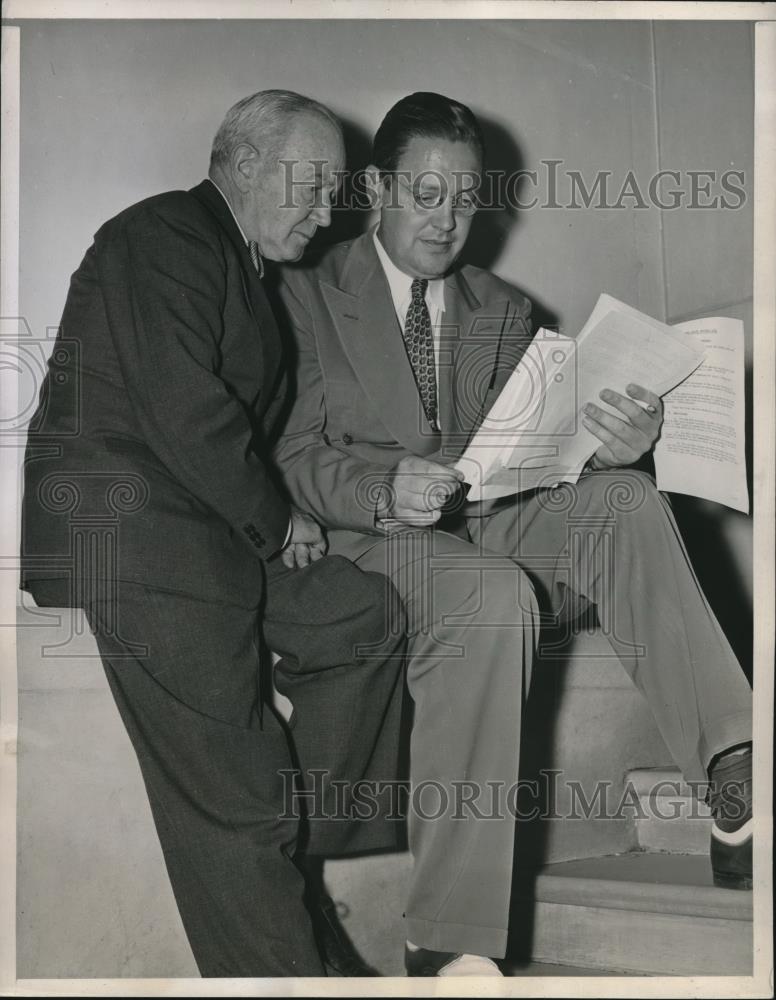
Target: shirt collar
{"x":237,"y":223}
{"x":400,"y":284}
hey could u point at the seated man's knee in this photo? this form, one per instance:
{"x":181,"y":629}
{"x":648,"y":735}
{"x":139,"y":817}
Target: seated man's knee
{"x":361,"y":613}
{"x":624,"y":491}
{"x":383,"y":621}
{"x":507,"y":592}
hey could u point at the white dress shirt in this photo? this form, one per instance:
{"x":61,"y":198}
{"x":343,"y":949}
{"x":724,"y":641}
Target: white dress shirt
{"x":401,"y":293}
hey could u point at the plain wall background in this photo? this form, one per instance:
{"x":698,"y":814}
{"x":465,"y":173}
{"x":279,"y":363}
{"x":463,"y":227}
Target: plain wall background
{"x":113,"y":112}
{"x":116,"y":111}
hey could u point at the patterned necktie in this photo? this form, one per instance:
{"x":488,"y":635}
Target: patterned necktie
{"x":419,"y":342}
{"x":258,"y":263}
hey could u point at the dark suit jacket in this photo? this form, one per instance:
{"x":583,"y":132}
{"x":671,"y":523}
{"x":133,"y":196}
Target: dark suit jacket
{"x":357,"y":410}
{"x":146,"y":457}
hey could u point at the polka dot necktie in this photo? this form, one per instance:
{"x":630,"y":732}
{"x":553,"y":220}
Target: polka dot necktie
{"x":258,"y":263}
{"x":419,"y":342}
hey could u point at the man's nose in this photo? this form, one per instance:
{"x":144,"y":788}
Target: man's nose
{"x":444,"y":216}
{"x":321,"y":213}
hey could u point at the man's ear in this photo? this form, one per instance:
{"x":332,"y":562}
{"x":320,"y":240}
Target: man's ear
{"x":377,"y":187}
{"x":245,"y":162}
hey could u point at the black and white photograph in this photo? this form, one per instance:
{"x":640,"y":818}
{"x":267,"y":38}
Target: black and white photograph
{"x":387,"y":430}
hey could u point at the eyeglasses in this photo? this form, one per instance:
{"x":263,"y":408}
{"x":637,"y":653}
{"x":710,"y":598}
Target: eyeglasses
{"x":429,"y":198}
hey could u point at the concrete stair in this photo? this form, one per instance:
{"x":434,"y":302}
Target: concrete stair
{"x":651,"y":910}
{"x":670,"y":816}
{"x":640,"y":912}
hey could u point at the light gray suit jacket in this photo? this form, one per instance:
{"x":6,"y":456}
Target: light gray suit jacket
{"x":357,"y":410}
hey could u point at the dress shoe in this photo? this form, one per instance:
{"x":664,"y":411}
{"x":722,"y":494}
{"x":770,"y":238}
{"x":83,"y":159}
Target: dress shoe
{"x":730,"y":799}
{"x":423,"y":962}
{"x":338,"y":951}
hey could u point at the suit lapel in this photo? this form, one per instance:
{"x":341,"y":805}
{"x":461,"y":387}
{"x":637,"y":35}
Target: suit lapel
{"x":455,"y":320}
{"x":269,"y":340}
{"x":460,"y":390}
{"x":477,"y":335}
{"x":363,"y":314}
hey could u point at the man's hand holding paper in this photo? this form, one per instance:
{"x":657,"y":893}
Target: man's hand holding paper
{"x":416,"y":491}
{"x":624,"y":439}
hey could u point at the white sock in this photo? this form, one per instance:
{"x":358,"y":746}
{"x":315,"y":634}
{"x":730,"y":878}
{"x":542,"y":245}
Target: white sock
{"x":733,"y":837}
{"x":471,"y":965}
{"x":465,"y":965}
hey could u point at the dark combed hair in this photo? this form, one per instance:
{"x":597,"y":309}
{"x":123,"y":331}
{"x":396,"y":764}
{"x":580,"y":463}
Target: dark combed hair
{"x":426,"y":115}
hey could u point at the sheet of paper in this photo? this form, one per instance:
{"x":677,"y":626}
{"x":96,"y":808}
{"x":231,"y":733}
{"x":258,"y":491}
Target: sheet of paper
{"x":515,"y":415}
{"x":622,"y":346}
{"x":534,"y":436}
{"x":701,"y":449}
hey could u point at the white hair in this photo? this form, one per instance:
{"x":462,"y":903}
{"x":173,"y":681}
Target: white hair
{"x":264,"y":118}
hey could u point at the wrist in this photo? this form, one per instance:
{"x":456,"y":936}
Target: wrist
{"x":384,"y":501}
{"x":593,"y":464}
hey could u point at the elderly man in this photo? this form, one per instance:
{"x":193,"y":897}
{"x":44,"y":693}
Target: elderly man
{"x":150,"y":502}
{"x":399,"y":350}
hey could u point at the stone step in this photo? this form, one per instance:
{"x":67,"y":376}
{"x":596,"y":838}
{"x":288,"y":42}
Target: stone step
{"x":648,"y":913}
{"x":671,"y":817}
{"x":370,"y":892}
{"x":545,"y":969}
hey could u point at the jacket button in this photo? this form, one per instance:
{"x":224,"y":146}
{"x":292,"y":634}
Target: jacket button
{"x":347,"y":439}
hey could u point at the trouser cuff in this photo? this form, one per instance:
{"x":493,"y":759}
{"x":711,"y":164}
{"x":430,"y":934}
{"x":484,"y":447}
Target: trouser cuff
{"x":720,"y":735}
{"x":466,"y":939}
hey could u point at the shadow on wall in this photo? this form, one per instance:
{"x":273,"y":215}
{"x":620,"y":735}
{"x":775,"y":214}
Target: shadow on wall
{"x":709,"y":548}
{"x":709,"y":530}
{"x":493,"y":226}
{"x":348,"y":222}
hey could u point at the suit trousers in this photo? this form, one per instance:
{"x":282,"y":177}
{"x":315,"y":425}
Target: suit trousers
{"x":471,"y":637}
{"x":609,"y":541}
{"x":185,"y":675}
